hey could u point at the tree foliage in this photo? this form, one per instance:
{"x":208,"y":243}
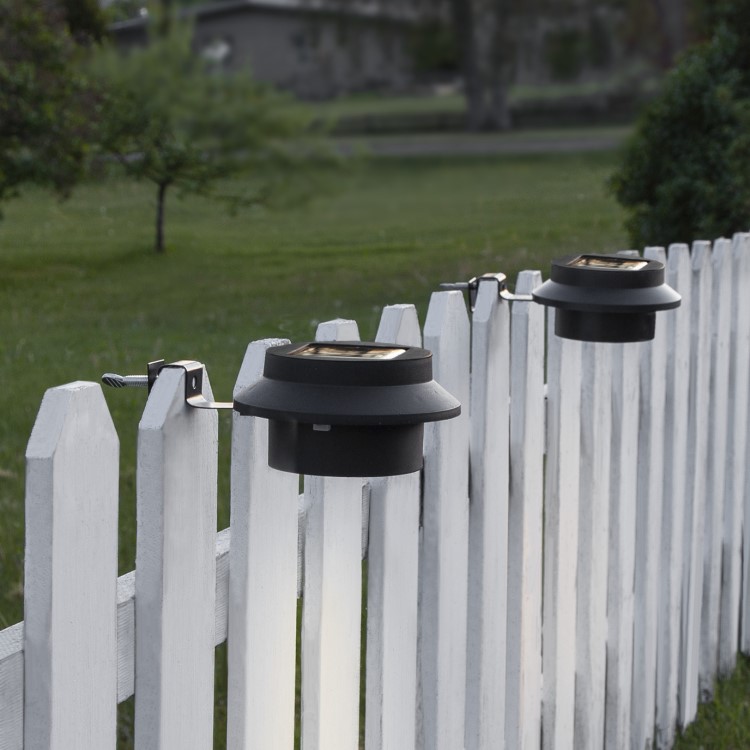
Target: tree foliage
{"x":170,"y":119}
{"x":44,"y":99}
{"x":685,"y":172}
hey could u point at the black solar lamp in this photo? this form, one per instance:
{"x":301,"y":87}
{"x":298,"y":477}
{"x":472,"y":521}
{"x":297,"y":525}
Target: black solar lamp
{"x":347,"y":408}
{"x":605,"y":298}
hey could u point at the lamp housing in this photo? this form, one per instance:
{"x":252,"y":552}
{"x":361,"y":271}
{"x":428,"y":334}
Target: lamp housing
{"x":607,"y":298}
{"x":347,"y":408}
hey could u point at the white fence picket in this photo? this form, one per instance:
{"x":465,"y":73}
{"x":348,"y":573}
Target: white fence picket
{"x":744,"y":250}
{"x":523,"y":689}
{"x":677,"y":324}
{"x":718,"y":396}
{"x":392,"y":583}
{"x":736,"y":458}
{"x":262,"y":582}
{"x":11,"y":687}
{"x":622,"y":522}
{"x":175,"y":570}
{"x":70,"y":650}
{"x":560,"y":539}
{"x":488,"y":519}
{"x":331,"y":614}
{"x":593,"y":546}
{"x":653,"y":363}
{"x":445,"y":529}
{"x":698,"y":428}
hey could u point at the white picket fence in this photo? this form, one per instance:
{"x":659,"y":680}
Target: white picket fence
{"x":588,"y":599}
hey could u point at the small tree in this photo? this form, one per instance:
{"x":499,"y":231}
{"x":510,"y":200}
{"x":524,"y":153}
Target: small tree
{"x":685,"y":172}
{"x":167,"y":117}
{"x":44,"y":98}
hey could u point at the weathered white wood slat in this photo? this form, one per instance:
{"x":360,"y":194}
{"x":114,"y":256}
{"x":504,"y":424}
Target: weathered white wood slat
{"x":331,"y":614}
{"x":744,"y":250}
{"x":593,"y":546}
{"x":70,"y":649}
{"x":488,"y":519}
{"x":11,"y":687}
{"x":718,"y":396}
{"x":653,"y":364}
{"x":523,"y":691}
{"x":622,"y":523}
{"x":445,"y":529}
{"x":736,"y":462}
{"x":560,"y":539}
{"x":262,"y":612}
{"x":392,"y":583}
{"x":175,"y":569}
{"x":698,"y":430}
{"x":392,"y":613}
{"x":677,"y":324}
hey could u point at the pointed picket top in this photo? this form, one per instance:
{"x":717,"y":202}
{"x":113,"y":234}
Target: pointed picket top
{"x":251,"y":369}
{"x":677,"y":324}
{"x":698,"y":443}
{"x":399,"y":324}
{"x":337,"y":330}
{"x":527,"y":441}
{"x":488,"y":520}
{"x":71,"y":572}
{"x":175,"y":568}
{"x":444,"y":549}
{"x":262,"y":581}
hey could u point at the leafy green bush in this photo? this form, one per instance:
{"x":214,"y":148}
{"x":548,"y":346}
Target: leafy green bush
{"x":685,"y":172}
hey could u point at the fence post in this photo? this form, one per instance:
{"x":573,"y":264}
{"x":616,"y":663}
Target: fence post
{"x":71,"y":573}
{"x":561,"y":539}
{"x":175,"y":577}
{"x":716,"y":460}
{"x":262,"y":612}
{"x":392,"y":583}
{"x":734,"y":517}
{"x":623,"y":496}
{"x":445,"y":529}
{"x":488,"y":520}
{"x":678,"y":335}
{"x":331,"y":615}
{"x":523,"y":696}
{"x":698,"y":427}
{"x":593,"y":545}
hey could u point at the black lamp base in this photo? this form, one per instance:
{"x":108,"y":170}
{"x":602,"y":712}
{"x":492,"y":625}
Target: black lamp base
{"x":612,"y":328}
{"x":344,"y":451}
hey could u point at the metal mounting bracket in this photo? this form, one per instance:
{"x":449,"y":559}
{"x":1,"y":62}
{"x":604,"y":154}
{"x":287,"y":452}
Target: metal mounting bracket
{"x":472,"y":285}
{"x":193,"y":382}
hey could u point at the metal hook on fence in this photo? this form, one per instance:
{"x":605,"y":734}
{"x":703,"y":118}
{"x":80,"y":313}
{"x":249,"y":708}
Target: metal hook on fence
{"x":193,"y":382}
{"x":472,"y":285}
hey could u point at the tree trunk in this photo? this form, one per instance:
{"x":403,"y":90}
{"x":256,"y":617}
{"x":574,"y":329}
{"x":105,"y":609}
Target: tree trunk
{"x":160,"y":200}
{"x":480,"y":29}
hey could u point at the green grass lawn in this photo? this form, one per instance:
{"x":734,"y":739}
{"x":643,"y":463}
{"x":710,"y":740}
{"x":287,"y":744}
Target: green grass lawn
{"x":83,"y":294}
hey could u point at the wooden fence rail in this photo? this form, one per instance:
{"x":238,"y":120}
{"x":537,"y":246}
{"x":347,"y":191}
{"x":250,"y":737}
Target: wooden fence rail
{"x":570,"y":569}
